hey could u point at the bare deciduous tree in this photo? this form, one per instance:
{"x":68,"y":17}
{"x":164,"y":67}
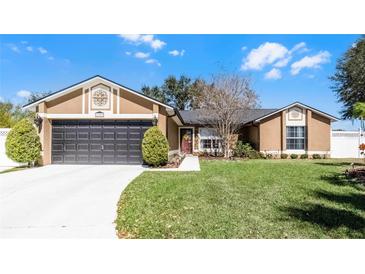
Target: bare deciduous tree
{"x":223,"y":103}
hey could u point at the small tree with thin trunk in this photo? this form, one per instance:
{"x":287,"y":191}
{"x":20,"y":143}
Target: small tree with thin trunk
{"x":223,"y":103}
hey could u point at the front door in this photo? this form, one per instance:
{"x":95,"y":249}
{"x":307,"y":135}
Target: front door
{"x":186,"y":140}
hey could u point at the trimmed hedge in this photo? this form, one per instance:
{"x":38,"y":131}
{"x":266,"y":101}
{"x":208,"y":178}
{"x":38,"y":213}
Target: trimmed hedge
{"x":284,"y":156}
{"x":304,"y":156}
{"x":294,"y":156}
{"x":155,"y":147}
{"x":22,"y":143}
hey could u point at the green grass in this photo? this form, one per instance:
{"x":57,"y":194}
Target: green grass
{"x":18,"y":168}
{"x":245,"y":199}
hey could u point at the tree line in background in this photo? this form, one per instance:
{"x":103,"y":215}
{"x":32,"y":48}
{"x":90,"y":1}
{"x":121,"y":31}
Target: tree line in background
{"x":181,"y":93}
{"x":349,"y":81}
{"x":11,"y":113}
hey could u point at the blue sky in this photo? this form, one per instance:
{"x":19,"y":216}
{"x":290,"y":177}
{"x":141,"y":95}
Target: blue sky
{"x":283,"y":68}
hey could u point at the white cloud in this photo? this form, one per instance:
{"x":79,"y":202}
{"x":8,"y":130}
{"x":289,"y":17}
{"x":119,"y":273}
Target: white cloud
{"x":270,"y":53}
{"x":51,"y":58}
{"x":148,"y":39}
{"x":283,"y":62}
{"x":301,"y":47}
{"x":153,"y":61}
{"x":29,"y":48}
{"x":24,"y":42}
{"x":1,"y":99}
{"x":141,"y":55}
{"x":42,"y":50}
{"x":265,"y":54}
{"x":131,"y":37}
{"x":175,"y":52}
{"x":14,"y":48}
{"x":273,"y":74}
{"x":243,"y":48}
{"x":23,"y":93}
{"x":128,"y":53}
{"x":313,"y":61}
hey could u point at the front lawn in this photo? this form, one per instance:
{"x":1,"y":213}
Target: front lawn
{"x":245,"y":199}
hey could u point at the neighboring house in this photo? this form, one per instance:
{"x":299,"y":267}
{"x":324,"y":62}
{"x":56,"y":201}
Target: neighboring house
{"x":98,"y":121}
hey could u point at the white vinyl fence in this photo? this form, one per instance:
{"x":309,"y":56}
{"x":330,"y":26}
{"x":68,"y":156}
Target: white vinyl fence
{"x":345,"y":144}
{"x":4,"y":160}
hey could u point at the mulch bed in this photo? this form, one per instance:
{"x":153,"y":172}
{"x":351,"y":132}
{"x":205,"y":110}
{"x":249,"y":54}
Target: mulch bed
{"x":358,"y":174}
{"x":173,"y":163}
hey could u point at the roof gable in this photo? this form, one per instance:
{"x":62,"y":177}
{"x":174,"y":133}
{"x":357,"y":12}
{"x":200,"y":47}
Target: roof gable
{"x":74,"y":87}
{"x":329,"y":116}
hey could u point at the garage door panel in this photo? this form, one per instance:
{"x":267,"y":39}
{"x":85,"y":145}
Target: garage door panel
{"x":83,"y":159}
{"x":95,"y":147}
{"x":83,"y":135}
{"x":69,"y":158}
{"x":83,"y":147}
{"x":97,"y":141}
{"x":95,"y":135}
{"x":108,"y":135}
{"x":70,"y":147}
{"x":95,"y":159}
{"x":69,"y":135}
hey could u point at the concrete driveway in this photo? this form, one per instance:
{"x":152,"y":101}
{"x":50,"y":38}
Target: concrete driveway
{"x":60,"y":201}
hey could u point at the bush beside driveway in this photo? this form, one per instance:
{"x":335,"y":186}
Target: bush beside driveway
{"x":245,"y":199}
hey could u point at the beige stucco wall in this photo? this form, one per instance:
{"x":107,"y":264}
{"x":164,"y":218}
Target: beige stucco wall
{"x":172,"y":134}
{"x":70,"y":103}
{"x":162,"y":120}
{"x":45,"y":136}
{"x":320,"y":133}
{"x":130,"y":103}
{"x":270,"y":133}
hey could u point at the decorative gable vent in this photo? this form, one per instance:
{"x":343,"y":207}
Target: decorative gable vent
{"x":100,"y":98}
{"x":296,"y":114}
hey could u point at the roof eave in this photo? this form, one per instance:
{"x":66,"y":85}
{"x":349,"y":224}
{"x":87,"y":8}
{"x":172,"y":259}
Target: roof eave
{"x":331,"y":117}
{"x":70,"y":88}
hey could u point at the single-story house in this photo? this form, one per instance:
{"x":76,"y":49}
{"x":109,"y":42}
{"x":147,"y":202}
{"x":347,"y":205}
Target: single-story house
{"x":98,"y":121}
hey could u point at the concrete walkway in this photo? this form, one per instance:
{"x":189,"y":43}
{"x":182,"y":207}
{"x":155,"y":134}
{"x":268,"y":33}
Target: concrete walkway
{"x":63,"y":201}
{"x":190,"y":163}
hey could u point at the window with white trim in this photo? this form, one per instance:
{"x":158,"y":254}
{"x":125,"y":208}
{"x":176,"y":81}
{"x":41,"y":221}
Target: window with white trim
{"x":209,"y":140}
{"x":295,"y":137}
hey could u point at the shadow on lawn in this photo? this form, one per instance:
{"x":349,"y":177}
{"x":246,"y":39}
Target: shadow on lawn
{"x":356,"y":200}
{"x":326,"y":217}
{"x":340,"y":164}
{"x":340,"y":179}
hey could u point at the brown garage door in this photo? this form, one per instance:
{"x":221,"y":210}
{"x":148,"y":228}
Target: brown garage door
{"x":97,"y":141}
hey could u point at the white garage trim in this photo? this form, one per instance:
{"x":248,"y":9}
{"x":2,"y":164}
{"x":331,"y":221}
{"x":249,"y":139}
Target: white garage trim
{"x":92,"y":116}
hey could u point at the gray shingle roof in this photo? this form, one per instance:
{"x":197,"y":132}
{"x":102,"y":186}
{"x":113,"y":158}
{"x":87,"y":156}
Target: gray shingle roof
{"x":192,"y":116}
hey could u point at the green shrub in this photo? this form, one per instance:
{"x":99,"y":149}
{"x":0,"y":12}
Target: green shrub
{"x":243,"y":150}
{"x":304,"y":156}
{"x":155,"y":147}
{"x":294,"y":156}
{"x":253,"y":155}
{"x":284,"y":156}
{"x":22,"y":143}
{"x":316,"y":156}
{"x":269,"y":156}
